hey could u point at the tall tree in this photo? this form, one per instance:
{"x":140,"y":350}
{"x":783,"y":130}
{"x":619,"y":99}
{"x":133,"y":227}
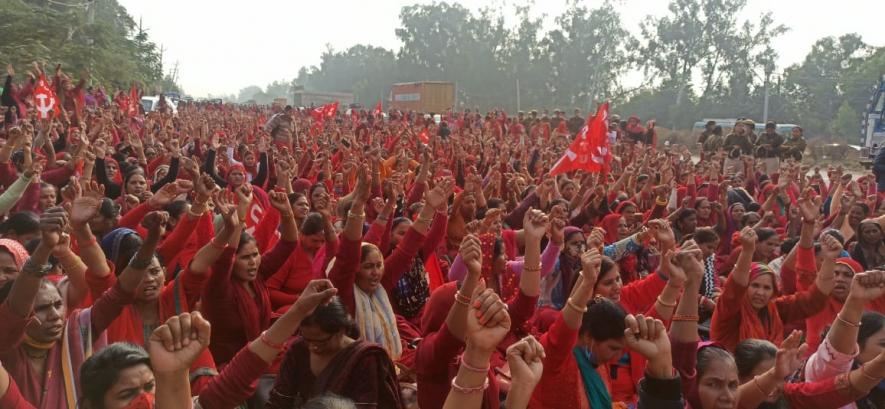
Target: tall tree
{"x":587,"y":54}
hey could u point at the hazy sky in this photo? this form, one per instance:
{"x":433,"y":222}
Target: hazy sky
{"x":224,"y":45}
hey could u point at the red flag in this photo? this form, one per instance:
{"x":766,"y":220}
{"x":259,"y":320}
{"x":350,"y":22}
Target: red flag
{"x":590,"y":150}
{"x":45,"y":99}
{"x":317,"y":113}
{"x":424,"y":136}
{"x":134,"y":101}
{"x":377,"y":110}
{"x":329,"y":110}
{"x":434,"y":272}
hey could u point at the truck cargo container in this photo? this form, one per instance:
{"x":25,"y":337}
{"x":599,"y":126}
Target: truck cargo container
{"x":426,"y":96}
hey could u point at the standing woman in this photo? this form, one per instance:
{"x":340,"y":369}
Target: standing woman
{"x":235,"y":298}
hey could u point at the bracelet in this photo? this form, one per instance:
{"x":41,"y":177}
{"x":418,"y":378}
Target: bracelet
{"x":467,"y":391}
{"x":264,"y":339}
{"x":31,"y":268}
{"x":471,"y":368}
{"x":194,"y":215}
{"x":686,"y":318}
{"x":352,"y":215}
{"x":216,"y":245}
{"x":531,"y":269}
{"x":661,"y":202}
{"x":571,"y":303}
{"x":756,"y":382}
{"x":846,"y":322}
{"x":863,"y":371}
{"x":673,"y":305}
{"x":462,"y":299}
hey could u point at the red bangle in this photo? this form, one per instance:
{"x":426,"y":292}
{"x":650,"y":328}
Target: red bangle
{"x":268,"y":342}
{"x":91,"y":241}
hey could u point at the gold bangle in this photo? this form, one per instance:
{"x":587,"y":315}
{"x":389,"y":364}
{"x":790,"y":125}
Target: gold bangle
{"x":526,"y":269}
{"x":462,"y":299}
{"x":756,"y":382}
{"x":846,"y":322}
{"x":673,"y":305}
{"x":352,"y":215}
{"x":571,"y":303}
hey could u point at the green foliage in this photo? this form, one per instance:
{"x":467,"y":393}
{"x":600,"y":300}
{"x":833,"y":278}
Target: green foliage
{"x":101,"y":38}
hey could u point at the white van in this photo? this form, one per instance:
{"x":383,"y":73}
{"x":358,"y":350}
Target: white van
{"x":150,"y":103}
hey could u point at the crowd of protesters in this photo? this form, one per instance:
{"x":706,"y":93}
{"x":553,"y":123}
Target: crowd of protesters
{"x":226,"y":256}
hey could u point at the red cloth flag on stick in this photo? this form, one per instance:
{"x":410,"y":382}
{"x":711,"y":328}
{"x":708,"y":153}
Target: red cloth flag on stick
{"x":45,"y":99}
{"x":329,"y":110}
{"x":377,"y":110}
{"x":317,"y":113}
{"x":590,"y":151}
{"x":134,"y":100}
{"x":424,"y":136}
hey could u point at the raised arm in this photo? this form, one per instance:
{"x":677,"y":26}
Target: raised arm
{"x":741,"y":272}
{"x":25,"y":287}
{"x":84,"y":207}
{"x":535,"y":224}
{"x":865,"y":287}
{"x":206,"y":257}
{"x":684,"y":326}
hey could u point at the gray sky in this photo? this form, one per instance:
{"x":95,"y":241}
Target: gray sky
{"x":224,"y":45}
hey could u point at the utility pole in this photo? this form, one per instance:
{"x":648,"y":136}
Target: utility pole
{"x":765,"y":102}
{"x":518,"y":104}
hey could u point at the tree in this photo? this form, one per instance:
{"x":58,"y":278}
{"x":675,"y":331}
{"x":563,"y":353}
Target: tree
{"x":248,"y":93}
{"x":102,"y":38}
{"x":816,"y":88}
{"x":587,"y":55}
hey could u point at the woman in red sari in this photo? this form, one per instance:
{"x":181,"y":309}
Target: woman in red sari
{"x":749,"y":306}
{"x":235,"y":298}
{"x":365,"y":278}
{"x":317,"y":246}
{"x":328,"y":357}
{"x":41,"y":344}
{"x":157,"y":299}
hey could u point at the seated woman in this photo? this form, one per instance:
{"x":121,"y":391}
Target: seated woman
{"x":575,"y":376}
{"x":328,"y":357}
{"x":708,"y":241}
{"x":235,"y":297}
{"x":444,"y":322}
{"x":365,"y":277}
{"x":869,"y":250}
{"x":317,"y":245}
{"x":123,"y":375}
{"x":41,"y":344}
{"x":157,"y":299}
{"x":855,"y":339}
{"x":749,"y":307}
{"x":713,"y":378}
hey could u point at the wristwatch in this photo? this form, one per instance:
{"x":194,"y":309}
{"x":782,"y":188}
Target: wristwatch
{"x":29,"y":267}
